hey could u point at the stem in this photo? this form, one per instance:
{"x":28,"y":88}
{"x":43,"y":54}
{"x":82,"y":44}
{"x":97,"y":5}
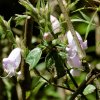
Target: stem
{"x":74,"y":82}
{"x":97,"y":34}
{"x":38,"y":73}
{"x":81,"y":52}
{"x":80,"y":89}
{"x":83,"y":85}
{"x":25,"y":79}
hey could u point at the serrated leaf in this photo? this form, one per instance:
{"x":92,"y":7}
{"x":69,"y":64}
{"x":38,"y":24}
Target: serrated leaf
{"x":33,"y":57}
{"x":89,"y":89}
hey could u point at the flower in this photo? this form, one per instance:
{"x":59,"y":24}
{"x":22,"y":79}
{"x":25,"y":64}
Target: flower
{"x":11,"y":63}
{"x":71,"y":41}
{"x":55,"y":24}
{"x":73,"y":58}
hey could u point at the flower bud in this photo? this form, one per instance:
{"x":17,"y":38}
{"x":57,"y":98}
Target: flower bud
{"x":47,"y":36}
{"x":55,"y":24}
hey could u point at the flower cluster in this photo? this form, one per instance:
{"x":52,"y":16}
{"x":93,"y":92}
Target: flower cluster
{"x":11,"y":63}
{"x":73,"y":58}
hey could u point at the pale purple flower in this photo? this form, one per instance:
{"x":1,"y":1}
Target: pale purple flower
{"x":11,"y":63}
{"x":71,"y":41}
{"x":73,"y":58}
{"x":55,"y":24}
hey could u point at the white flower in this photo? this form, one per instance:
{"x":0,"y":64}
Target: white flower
{"x":11,"y":63}
{"x":73,"y":58}
{"x":55,"y":24}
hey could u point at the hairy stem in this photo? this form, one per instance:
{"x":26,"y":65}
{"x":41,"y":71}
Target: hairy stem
{"x":25,"y":79}
{"x":64,"y":10}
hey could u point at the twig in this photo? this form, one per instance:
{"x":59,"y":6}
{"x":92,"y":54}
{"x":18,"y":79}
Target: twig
{"x":74,"y":82}
{"x":83,"y":85}
{"x":64,"y":10}
{"x":38,"y":73}
{"x":24,"y":79}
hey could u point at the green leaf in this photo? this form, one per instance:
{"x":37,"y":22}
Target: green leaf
{"x":38,"y":86}
{"x":59,"y":64}
{"x":10,"y":36}
{"x":49,"y":61}
{"x":35,"y":82}
{"x":84,"y":16}
{"x":33,"y":57}
{"x":3,"y":23}
{"x":31,"y":10}
{"x":82,"y":20}
{"x":20,"y":19}
{"x":89,"y":89}
{"x":26,"y":4}
{"x":88,"y":27}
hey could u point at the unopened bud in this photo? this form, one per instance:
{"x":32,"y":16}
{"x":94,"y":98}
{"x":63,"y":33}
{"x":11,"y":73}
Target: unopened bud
{"x":55,"y":24}
{"x":48,"y":36}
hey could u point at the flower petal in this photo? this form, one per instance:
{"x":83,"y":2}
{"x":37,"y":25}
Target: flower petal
{"x":8,"y":66}
{"x":74,"y":61}
{"x":72,"y":42}
{"x":15,"y":56}
{"x":11,"y":63}
{"x":75,"y":72}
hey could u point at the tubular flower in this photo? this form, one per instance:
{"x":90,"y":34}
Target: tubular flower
{"x":11,"y":63}
{"x":55,"y":24}
{"x":73,"y":58}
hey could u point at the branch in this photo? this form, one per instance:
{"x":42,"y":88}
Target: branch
{"x":83,"y":85}
{"x":81,"y":52}
{"x":38,"y":73}
{"x":25,"y":79}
